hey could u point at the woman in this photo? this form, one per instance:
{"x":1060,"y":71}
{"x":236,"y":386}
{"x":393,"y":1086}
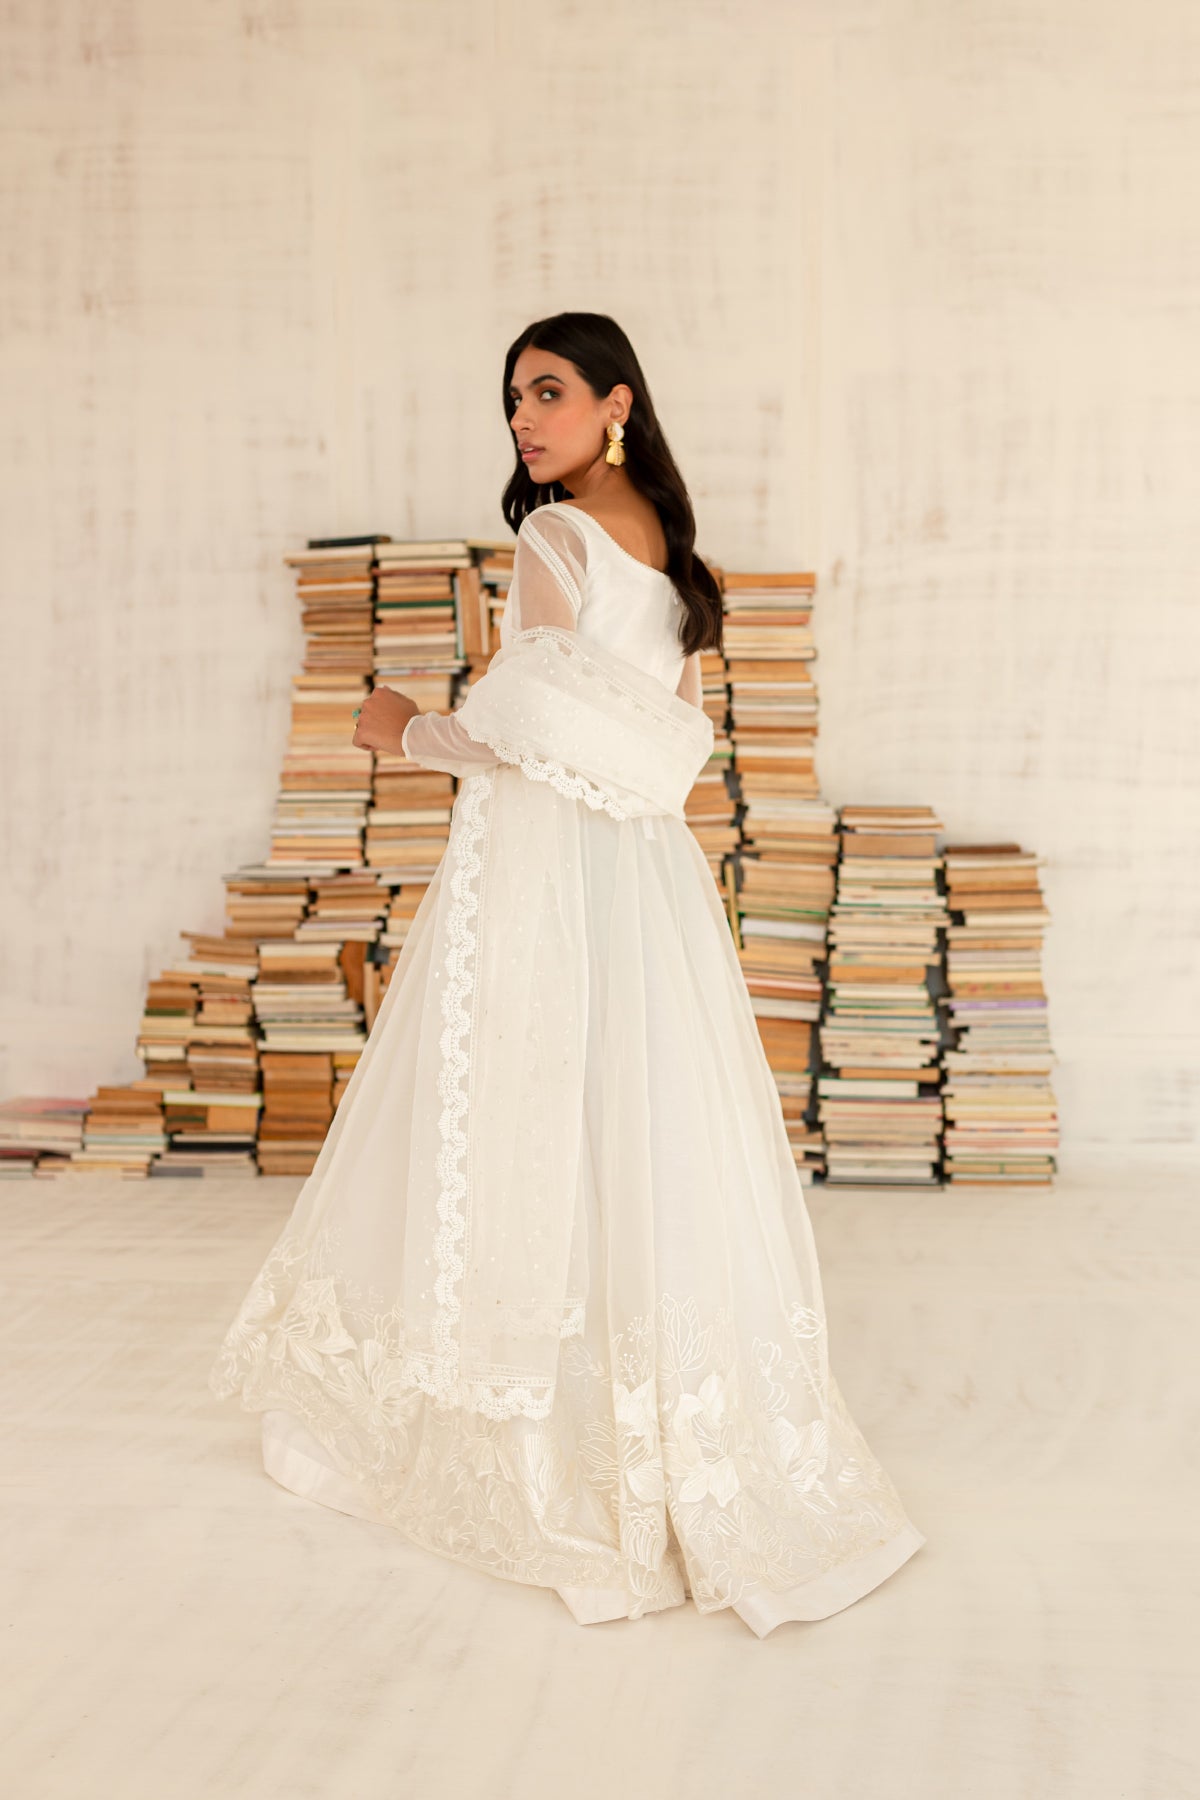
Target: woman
{"x":549,"y":1302}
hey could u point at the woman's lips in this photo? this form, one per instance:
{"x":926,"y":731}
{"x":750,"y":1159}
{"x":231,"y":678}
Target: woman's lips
{"x":528,"y":455}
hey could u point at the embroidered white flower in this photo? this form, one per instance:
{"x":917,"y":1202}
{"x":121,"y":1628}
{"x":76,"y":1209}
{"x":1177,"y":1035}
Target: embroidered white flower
{"x":698,"y":1448}
{"x":803,"y":1454}
{"x":311,"y":1329}
{"x":636,"y":1411}
{"x":371,"y":1387}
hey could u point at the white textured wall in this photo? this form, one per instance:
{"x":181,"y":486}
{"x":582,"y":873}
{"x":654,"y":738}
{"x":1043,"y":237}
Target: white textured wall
{"x":916,"y":286}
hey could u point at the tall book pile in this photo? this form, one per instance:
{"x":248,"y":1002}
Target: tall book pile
{"x":789,"y":840}
{"x":1001,"y":1118}
{"x":419,"y":801}
{"x":423,"y":590}
{"x":879,"y":1096}
{"x":302,"y":910}
{"x":770,"y":650}
{"x":325,"y":786}
{"x":447,"y":595}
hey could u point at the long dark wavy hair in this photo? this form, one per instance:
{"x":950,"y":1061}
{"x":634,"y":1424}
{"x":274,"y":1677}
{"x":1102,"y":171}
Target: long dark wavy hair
{"x":604,"y":356}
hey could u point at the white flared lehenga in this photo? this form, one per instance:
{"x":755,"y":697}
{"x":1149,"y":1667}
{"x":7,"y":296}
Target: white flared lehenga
{"x":549,"y":1303}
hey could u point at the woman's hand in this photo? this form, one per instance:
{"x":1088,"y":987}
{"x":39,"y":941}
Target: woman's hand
{"x":381,"y":722}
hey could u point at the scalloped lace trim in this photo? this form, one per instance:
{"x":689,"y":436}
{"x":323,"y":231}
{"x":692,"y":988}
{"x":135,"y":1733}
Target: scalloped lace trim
{"x":251,"y":1345}
{"x":575,"y":787}
{"x":463,"y":943}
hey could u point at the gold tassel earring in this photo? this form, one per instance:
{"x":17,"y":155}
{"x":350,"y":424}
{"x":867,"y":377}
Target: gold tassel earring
{"x":616,"y":449}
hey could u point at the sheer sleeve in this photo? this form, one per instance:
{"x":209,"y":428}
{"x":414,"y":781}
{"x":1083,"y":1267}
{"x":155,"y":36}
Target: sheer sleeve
{"x":438,"y":741}
{"x":691,"y":684}
{"x":549,"y":565}
{"x":549,"y":568}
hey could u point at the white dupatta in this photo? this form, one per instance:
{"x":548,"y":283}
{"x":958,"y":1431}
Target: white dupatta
{"x":507,"y":1234}
{"x":590,"y":723}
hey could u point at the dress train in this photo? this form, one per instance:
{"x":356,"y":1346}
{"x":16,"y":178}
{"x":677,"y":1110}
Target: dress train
{"x":295,"y":1460}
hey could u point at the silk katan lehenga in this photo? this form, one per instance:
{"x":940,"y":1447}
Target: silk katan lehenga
{"x":549,"y":1302}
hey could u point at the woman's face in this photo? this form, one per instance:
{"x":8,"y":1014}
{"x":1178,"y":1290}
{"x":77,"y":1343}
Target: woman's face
{"x":558,"y":422}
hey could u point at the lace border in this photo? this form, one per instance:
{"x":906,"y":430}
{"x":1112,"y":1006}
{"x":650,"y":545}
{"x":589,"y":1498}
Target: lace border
{"x":575,"y":787}
{"x":462,"y":947}
{"x":440,"y":1376}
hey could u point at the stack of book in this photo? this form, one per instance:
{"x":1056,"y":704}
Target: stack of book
{"x":123,"y":1133}
{"x":481,"y":621}
{"x":302,"y":1001}
{"x":783,"y":908}
{"x":297,"y":1110}
{"x":222,"y":1052}
{"x":210,"y":1100}
{"x":197,"y":1024}
{"x":425,"y":591}
{"x":210,"y":1131}
{"x":769,"y":650}
{"x":418,"y":641}
{"x":301,"y":998}
{"x":788,"y":834}
{"x":879,"y":1096}
{"x":39,"y":1134}
{"x":267,"y":905}
{"x":345,"y":909}
{"x":335,"y":584}
{"x":326,"y":781}
{"x":408,"y":826}
{"x":222,"y":1046}
{"x":168,"y":1016}
{"x":1001,"y":1117}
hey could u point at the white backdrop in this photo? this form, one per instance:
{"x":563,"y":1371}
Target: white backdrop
{"x":915,"y":286}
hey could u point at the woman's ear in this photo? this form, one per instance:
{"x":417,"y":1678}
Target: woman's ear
{"x":621,"y":398}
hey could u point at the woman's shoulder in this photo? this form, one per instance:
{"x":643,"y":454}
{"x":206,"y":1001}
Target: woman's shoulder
{"x":550,"y":511}
{"x":552,"y":543}
{"x":554,"y":532}
{"x":636,"y":534}
{"x":554,"y":520}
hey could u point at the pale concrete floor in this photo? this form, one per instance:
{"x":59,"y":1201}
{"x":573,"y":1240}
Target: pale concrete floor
{"x":179,"y":1627}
